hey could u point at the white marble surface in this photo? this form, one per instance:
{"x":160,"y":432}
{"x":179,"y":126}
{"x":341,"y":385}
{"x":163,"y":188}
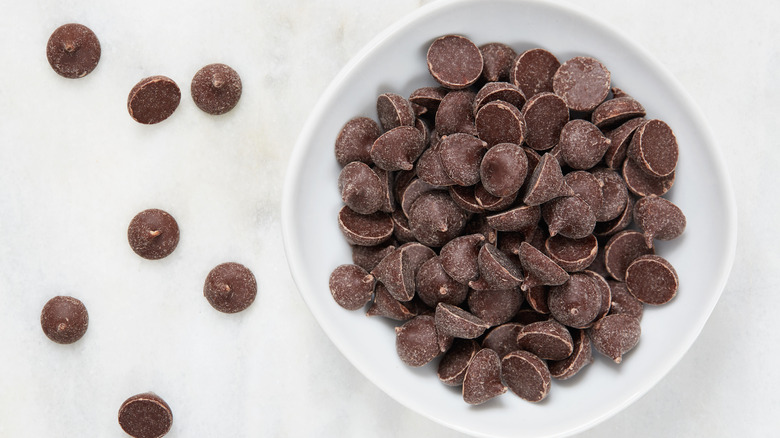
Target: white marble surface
{"x":74,"y":169}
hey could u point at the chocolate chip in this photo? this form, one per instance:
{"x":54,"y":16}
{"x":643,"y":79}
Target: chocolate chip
{"x":654,"y":148}
{"x":580,"y":357}
{"x":394,"y":111}
{"x":416,"y":342}
{"x":576,"y":303}
{"x":456,"y":322}
{"x":455,"y":113}
{"x":572,"y":254}
{"x":360,"y":187}
{"x":153,"y":99}
{"x":526,"y":375}
{"x":428,"y":97}
{"x":546,"y":182}
{"x":454,"y":61}
{"x":546,"y":339}
{"x":615,"y":335}
{"x":385,"y":305}
{"x":545,"y":115}
{"x":355,"y":140}
{"x":397,"y":273}
{"x":482,"y":381}
{"x":582,"y":144}
{"x":453,"y":365}
{"x":431,"y":170}
{"x":496,"y":270}
{"x":642,"y":184}
{"x":620,"y":138}
{"x":569,"y":216}
{"x":435,"y":286}
{"x":620,"y":223}
{"x":73,"y":50}
{"x":533,"y":71}
{"x":350,"y":285}
{"x":605,"y":292}
{"x":435,"y":219}
{"x":504,"y":91}
{"x":500,"y":122}
{"x":231,"y":287}
{"x":494,"y":307}
{"x":614,"y":194}
{"x":587,"y":187}
{"x":398,"y":148}
{"x":616,"y":111}
{"x":527,"y":316}
{"x":537,"y":297}
{"x":401,"y":229}
{"x":497,"y":60}
{"x":490,"y":202}
{"x":145,"y":416}
{"x":519,"y":218}
{"x":622,"y":249}
{"x":652,"y":279}
{"x":503,"y":169}
{"x":583,"y":83}
{"x":503,"y":339}
{"x":539,"y":269}
{"x":459,"y":257}
{"x":365,"y":229}
{"x":623,"y":301}
{"x":216,"y":88}
{"x":64,"y":319}
{"x":153,"y":234}
{"x":659,"y":219}
{"x":369,"y":256}
{"x":461,"y":155}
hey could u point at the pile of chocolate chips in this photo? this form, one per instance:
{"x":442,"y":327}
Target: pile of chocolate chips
{"x":507,"y":217}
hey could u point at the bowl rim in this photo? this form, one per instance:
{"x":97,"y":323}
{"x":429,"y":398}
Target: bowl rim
{"x":292,"y":183}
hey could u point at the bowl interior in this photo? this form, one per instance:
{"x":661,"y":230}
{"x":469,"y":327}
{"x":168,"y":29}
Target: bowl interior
{"x":395,"y":62}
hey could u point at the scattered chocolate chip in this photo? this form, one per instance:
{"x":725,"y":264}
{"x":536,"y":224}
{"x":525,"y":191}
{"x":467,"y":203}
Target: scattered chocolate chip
{"x":533,"y":71}
{"x":580,"y":357}
{"x":64,"y":319}
{"x":416,"y":342}
{"x":453,"y":365}
{"x":216,"y":88}
{"x":652,"y":279}
{"x":482,"y":381}
{"x":614,"y":194}
{"x":659,"y":219}
{"x":615,"y":335}
{"x":455,"y":113}
{"x":428,"y":97}
{"x":355,"y":140}
{"x":231,"y":287}
{"x":520,"y":218}
{"x":350,"y":285}
{"x":526,"y":375}
{"x":454,"y":61}
{"x":605,"y":292}
{"x":582,"y":82}
{"x":153,"y":99}
{"x":385,"y":305}
{"x":73,"y":50}
{"x":369,"y":256}
{"x":622,"y":249}
{"x":539,"y":269}
{"x":496,"y":270}
{"x":492,"y":203}
{"x":153,"y":234}
{"x":642,"y":184}
{"x":431,"y":170}
{"x":537,"y":297}
{"x":654,"y":148}
{"x":620,"y":223}
{"x":145,"y":416}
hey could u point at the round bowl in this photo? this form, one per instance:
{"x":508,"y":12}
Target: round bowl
{"x":395,"y":62}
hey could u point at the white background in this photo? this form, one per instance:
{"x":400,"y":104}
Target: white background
{"x":74,"y":169}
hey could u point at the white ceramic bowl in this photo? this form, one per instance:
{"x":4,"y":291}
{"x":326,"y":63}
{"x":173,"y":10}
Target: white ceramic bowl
{"x":395,"y":62}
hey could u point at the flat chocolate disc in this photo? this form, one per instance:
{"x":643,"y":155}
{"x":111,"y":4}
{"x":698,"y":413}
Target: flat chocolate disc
{"x":153,"y":100}
{"x":145,"y":416}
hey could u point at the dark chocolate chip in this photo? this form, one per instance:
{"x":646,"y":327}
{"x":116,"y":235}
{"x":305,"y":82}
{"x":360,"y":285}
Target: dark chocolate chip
{"x":503,"y":339}
{"x":623,"y":301}
{"x":455,"y":113}
{"x":545,"y":115}
{"x":496,"y":270}
{"x":577,"y":302}
{"x":145,"y":416}
{"x":539,"y":269}
{"x":73,"y":50}
{"x":493,"y":91}
{"x":569,"y":216}
{"x":458,"y":323}
{"x":428,"y":97}
{"x":490,"y":202}
{"x":398,"y":148}
{"x":231,"y":287}
{"x":615,"y":335}
{"x":572,"y":254}
{"x":583,"y":83}
{"x":546,"y":339}
{"x":153,"y":99}
{"x":526,"y":375}
{"x":416,"y":342}
{"x":620,"y":138}
{"x":459,"y":257}
{"x":503,"y":169}
{"x":520,"y":218}
{"x":500,"y":122}
{"x":642,"y":184}
{"x":614,"y":194}
{"x":454,"y":61}
{"x":546,"y":182}
{"x":586,"y":186}
{"x":604,"y":292}
{"x":654,"y":148}
{"x":622,"y":249}
{"x":453,"y":365}
{"x":216,"y":88}
{"x":620,"y":223}
{"x":582,"y":144}
{"x":461,"y":155}
{"x":365,"y":229}
{"x":385,"y":305}
{"x":537,"y":297}
{"x":361,"y":189}
{"x":355,"y":140}
{"x":153,"y":234}
{"x":533,"y":71}
{"x":369,"y":256}
{"x":659,"y":219}
{"x":350,"y":285}
{"x":652,"y":279}
{"x":616,"y":111}
{"x":580,"y":357}
{"x":497,"y":61}
{"x":494,"y":307}
{"x":64,"y":319}
{"x":431,"y":170}
{"x":435,"y":286}
{"x":435,"y":219}
{"x":482,"y":381}
{"x":394,"y":111}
